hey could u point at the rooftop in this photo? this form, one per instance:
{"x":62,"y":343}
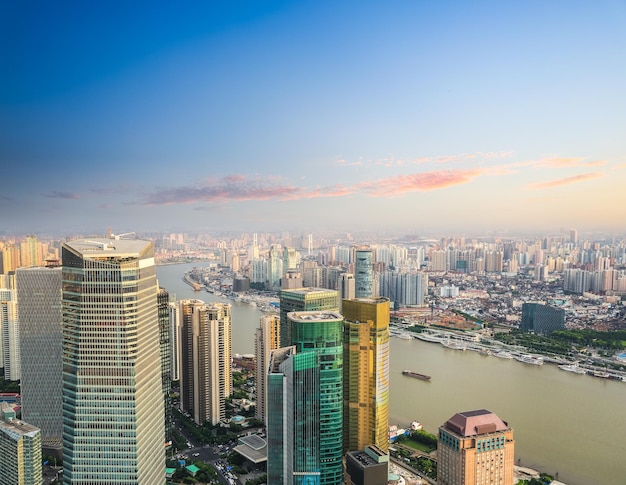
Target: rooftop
{"x":108,"y":247}
{"x":472,"y":423}
{"x":253,"y":448}
{"x":315,"y":316}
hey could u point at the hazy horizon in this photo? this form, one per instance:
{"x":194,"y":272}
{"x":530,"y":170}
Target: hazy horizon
{"x":414,"y":117}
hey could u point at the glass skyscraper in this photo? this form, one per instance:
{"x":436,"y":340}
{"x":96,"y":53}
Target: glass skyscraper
{"x":303,"y":300}
{"x":293,"y":431}
{"x":39,"y":302}
{"x":113,"y":415}
{"x":363,"y":273}
{"x":366,"y":373}
{"x":320,"y":333}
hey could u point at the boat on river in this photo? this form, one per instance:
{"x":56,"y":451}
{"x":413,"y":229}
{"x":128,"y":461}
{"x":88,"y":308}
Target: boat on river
{"x":502,"y":354}
{"x":416,"y":375}
{"x":574,"y":367}
{"x":529,"y":359}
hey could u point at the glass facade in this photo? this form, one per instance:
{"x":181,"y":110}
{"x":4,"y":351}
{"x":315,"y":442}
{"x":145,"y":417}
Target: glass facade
{"x":39,"y":300}
{"x":113,"y":415}
{"x":366,"y":373}
{"x":293,"y":429}
{"x":363,"y":273}
{"x":321,"y":333}
{"x":304,"y":300}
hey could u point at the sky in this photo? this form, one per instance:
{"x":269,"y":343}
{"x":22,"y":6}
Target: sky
{"x":413,"y":116}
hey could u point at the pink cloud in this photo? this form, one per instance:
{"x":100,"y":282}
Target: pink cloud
{"x":437,"y":179}
{"x":243,"y":188}
{"x":566,"y":181}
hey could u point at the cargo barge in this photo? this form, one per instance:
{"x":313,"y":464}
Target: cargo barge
{"x":417,"y":375}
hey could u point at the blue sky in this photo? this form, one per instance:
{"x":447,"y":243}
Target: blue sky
{"x":416,"y":116}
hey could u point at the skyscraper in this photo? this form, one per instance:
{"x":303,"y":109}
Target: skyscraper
{"x":475,"y":447}
{"x":166,"y":368}
{"x":267,"y":338}
{"x":293,"y":426}
{"x":9,"y":334}
{"x":112,"y":390}
{"x":274,"y":267}
{"x":302,"y":300}
{"x":365,"y":373}
{"x":320,"y":333}
{"x":41,"y":349}
{"x":363,"y":273}
{"x":205,"y":377}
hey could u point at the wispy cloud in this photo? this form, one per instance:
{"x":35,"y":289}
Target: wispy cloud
{"x":566,"y":162}
{"x":61,"y":195}
{"x":232,"y":187}
{"x":243,"y":188}
{"x":437,"y":179}
{"x":566,"y":181}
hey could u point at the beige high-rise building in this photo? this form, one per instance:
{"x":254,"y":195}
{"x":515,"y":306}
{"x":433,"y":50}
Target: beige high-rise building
{"x":365,"y":373}
{"x":267,"y":338}
{"x":31,"y":252}
{"x":475,"y":448}
{"x":205,"y":375}
{"x":9,"y":257}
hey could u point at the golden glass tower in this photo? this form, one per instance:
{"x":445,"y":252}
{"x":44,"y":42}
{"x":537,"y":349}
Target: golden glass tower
{"x":365,"y":373}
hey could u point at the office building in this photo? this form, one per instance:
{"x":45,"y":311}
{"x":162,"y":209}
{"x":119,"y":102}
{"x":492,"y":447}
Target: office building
{"x":9,"y":334}
{"x":293,"y":418}
{"x":205,"y":376}
{"x":164,"y":349}
{"x":303,"y":300}
{"x":41,"y":349}
{"x":475,"y":448}
{"x":363,"y":273}
{"x":20,"y":450}
{"x":267,"y":339}
{"x":274,"y":267}
{"x":365,"y":373}
{"x":367,"y":467}
{"x":290,"y":259}
{"x":174,"y":321}
{"x":541,"y":319}
{"x":320,"y":333}
{"x":346,"y":287}
{"x":113,"y":414}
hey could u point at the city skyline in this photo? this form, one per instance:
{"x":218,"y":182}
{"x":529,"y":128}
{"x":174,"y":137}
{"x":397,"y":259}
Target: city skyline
{"x":411,"y":117}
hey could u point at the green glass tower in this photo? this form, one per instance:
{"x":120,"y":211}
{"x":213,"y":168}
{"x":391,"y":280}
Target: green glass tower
{"x":293,"y":432}
{"x":304,"y":300}
{"x":320,"y":333}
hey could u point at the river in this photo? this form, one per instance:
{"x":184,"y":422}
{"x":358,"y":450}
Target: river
{"x":571,"y":424}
